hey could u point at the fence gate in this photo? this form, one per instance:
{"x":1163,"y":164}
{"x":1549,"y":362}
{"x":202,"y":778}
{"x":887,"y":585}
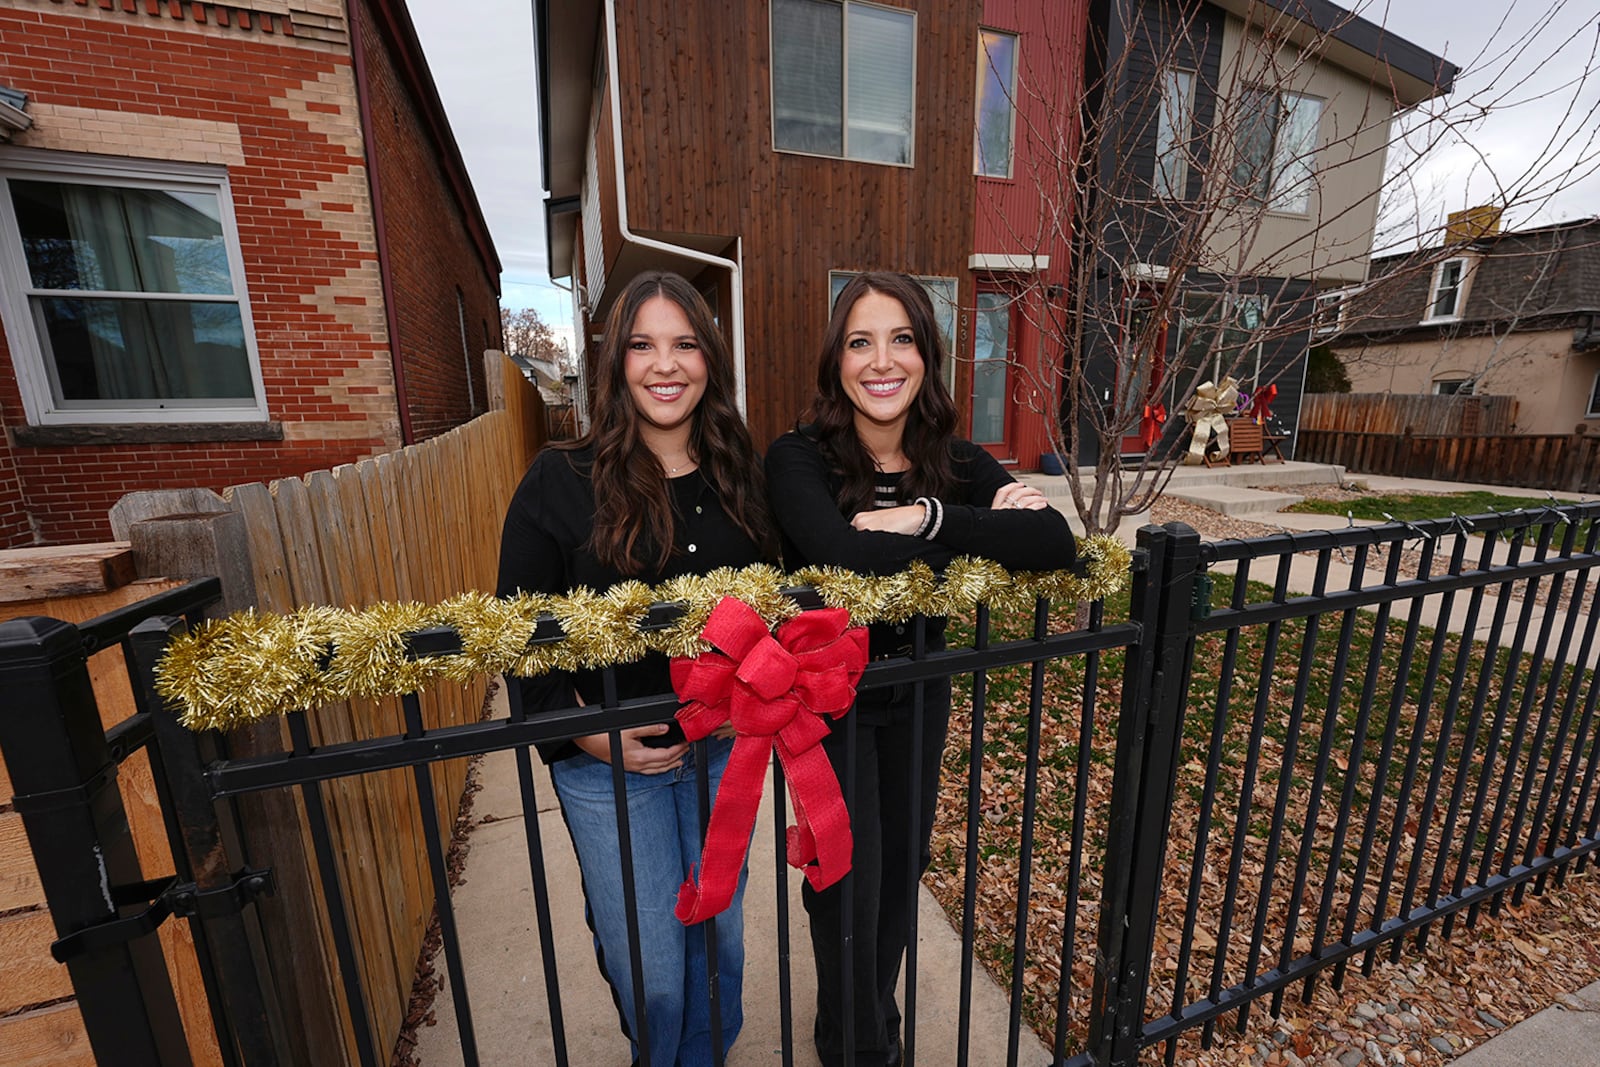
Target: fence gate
{"x":1319,"y":745}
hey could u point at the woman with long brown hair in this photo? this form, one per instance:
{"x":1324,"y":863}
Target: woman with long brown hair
{"x":877,"y":480}
{"x":665,"y":483}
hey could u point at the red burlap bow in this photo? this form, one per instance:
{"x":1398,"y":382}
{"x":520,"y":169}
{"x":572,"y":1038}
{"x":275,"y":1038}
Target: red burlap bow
{"x":1150,"y":425}
{"x":1261,"y":403}
{"x":774,"y":690}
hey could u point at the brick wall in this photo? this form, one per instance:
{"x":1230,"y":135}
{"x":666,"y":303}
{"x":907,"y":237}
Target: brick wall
{"x":14,"y":526}
{"x":275,"y":102}
{"x":431,"y":250}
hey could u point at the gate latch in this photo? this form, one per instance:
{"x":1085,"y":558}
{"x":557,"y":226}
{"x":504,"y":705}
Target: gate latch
{"x":164,"y":897}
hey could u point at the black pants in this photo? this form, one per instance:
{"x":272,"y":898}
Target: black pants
{"x":887,"y":822}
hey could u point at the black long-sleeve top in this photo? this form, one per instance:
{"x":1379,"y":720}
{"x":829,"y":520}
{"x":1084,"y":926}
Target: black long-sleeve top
{"x":544,"y":548}
{"x":804,"y":491}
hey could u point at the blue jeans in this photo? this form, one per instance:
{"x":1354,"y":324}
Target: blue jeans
{"x":664,"y":825}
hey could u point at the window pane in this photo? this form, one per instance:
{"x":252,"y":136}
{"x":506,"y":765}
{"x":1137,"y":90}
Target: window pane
{"x":1444,"y":301}
{"x":808,"y":76}
{"x":151,"y":350}
{"x":879,"y":68}
{"x":991,"y":345}
{"x":98,"y":237}
{"x":1258,"y":123}
{"x":1172,"y":133}
{"x":1295,"y":153}
{"x":997,"y":62}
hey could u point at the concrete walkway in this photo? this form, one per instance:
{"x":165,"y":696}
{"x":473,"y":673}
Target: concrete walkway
{"x":505,"y":977}
{"x":1566,"y":1034}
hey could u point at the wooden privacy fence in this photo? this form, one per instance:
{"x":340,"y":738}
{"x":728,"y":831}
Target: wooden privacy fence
{"x":1390,"y":413}
{"x":1564,"y":463}
{"x":419,"y":524}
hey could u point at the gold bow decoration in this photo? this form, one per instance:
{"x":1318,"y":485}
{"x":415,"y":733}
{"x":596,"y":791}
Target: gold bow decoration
{"x":1208,"y":412}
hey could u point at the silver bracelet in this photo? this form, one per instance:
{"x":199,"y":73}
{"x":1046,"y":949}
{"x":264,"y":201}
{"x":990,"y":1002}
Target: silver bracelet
{"x":930,"y":526}
{"x":927,"y":516}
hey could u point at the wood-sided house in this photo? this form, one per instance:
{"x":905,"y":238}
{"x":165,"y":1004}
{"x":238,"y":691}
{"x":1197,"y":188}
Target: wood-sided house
{"x":237,"y":242}
{"x":768,"y":150}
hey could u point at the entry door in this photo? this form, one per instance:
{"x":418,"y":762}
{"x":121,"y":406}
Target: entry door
{"x":994,"y":347}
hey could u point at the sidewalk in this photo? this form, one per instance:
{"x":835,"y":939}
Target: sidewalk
{"x":1566,"y":1034}
{"x":500,"y":949}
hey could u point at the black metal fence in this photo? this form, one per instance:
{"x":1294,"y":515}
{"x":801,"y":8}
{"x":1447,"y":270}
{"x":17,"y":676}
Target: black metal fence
{"x":1278,"y":757}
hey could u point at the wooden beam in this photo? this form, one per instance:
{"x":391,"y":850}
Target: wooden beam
{"x":64,"y":570}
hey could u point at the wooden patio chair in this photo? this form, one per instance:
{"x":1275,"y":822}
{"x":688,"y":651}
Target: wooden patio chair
{"x":1245,"y":440}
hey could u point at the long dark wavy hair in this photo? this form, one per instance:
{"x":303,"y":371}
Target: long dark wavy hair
{"x":633,"y":510}
{"x":931,"y":422}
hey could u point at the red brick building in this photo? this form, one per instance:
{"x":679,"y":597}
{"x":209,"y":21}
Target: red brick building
{"x":236,"y":243}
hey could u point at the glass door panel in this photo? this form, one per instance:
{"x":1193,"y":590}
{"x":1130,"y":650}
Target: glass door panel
{"x":991,"y":350}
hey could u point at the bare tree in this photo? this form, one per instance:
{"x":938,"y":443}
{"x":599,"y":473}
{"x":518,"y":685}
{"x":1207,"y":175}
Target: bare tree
{"x":526,"y":334}
{"x":1211,"y":178}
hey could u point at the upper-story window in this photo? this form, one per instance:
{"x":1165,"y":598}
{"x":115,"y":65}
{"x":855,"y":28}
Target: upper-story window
{"x":1328,"y":314}
{"x":1446,"y":291}
{"x":1275,"y":148}
{"x":124,"y":296}
{"x":843,"y":79}
{"x":1173,"y":126}
{"x":997,"y":94}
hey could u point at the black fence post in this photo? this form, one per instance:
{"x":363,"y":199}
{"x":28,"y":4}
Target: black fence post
{"x":206,"y":850}
{"x":65,"y":780}
{"x":1155,"y":681}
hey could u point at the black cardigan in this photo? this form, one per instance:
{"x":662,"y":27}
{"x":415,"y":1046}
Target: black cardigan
{"x":804,"y":494}
{"x":544,"y":548}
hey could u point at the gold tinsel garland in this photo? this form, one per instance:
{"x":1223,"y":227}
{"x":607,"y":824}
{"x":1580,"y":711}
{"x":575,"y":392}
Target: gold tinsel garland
{"x":249,"y":666}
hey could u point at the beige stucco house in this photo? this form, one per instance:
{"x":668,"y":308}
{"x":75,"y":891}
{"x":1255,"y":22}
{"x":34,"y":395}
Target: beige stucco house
{"x":1513,"y":313}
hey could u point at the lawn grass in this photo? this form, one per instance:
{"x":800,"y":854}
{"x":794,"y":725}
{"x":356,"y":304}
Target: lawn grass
{"x":1411,"y":507}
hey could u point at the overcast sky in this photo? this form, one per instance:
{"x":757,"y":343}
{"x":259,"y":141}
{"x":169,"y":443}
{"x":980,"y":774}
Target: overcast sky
{"x":1523,"y":72}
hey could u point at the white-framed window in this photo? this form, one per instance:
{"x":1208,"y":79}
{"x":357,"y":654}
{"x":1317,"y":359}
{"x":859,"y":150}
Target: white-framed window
{"x":943,"y":292}
{"x":124,"y":297}
{"x":1174,"y":124}
{"x":1446,"y":290}
{"x":1275,"y":147}
{"x":1452,"y":386}
{"x":997,"y":112}
{"x":844,"y":77}
{"x":1327,"y":316}
{"x":1593,"y":411}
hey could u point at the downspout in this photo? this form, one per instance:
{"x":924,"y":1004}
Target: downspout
{"x":391,"y":314}
{"x":733,"y":266}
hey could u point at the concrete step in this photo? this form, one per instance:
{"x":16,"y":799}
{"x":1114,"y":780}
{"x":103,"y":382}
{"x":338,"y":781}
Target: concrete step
{"x":1233,"y":500}
{"x":1254,"y":474}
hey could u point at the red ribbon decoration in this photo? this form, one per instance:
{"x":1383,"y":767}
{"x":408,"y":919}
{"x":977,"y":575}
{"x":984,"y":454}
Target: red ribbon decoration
{"x":775,"y":691}
{"x":1150,"y":425}
{"x":1261,"y":404}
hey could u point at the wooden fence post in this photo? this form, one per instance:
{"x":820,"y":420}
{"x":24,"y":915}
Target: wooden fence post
{"x":204,"y":537}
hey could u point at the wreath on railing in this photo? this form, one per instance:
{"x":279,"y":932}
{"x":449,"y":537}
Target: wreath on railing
{"x":251,"y":666}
